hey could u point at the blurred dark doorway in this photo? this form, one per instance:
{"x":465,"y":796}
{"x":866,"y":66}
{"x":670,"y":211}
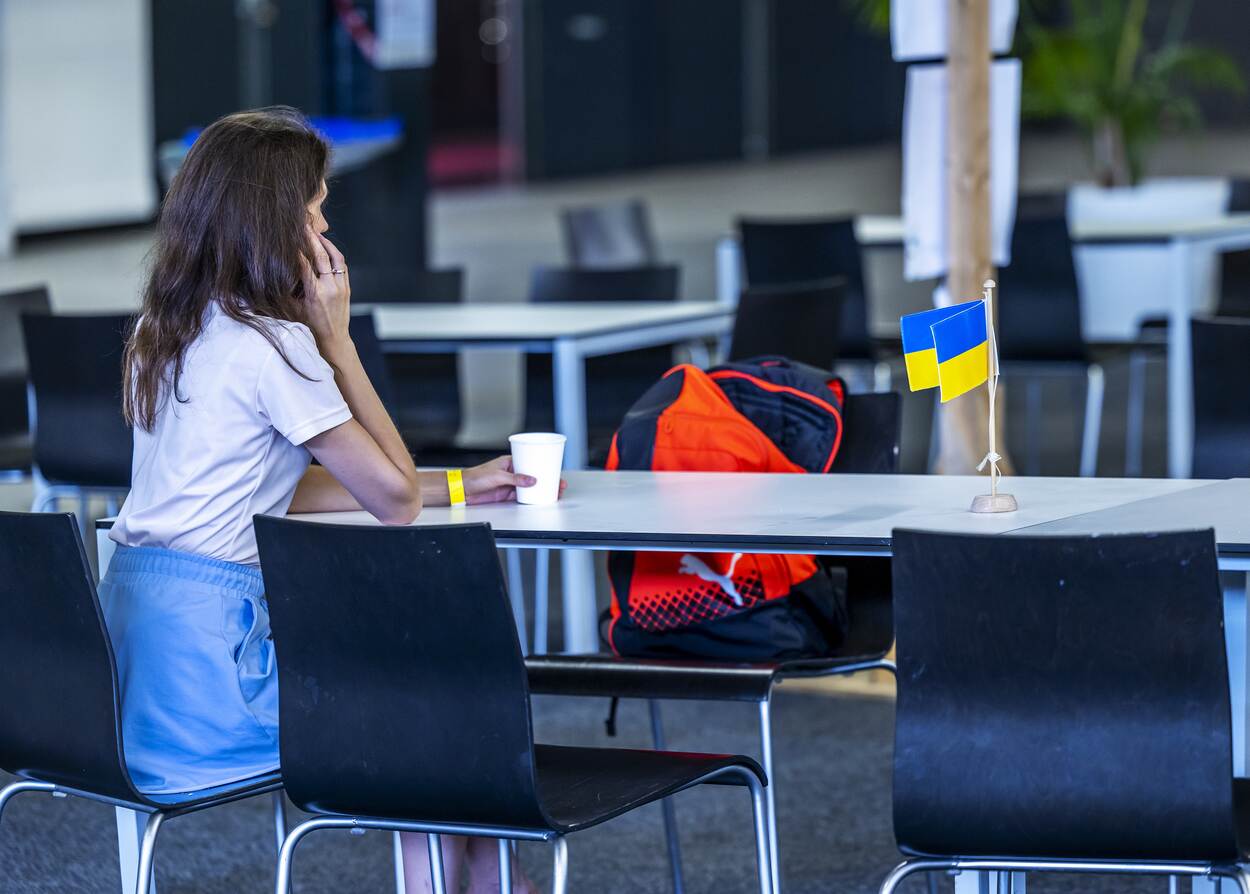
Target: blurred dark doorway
{"x":465,"y":141}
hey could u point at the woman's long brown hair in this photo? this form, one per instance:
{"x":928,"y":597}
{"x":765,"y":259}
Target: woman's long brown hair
{"x":232,"y":229}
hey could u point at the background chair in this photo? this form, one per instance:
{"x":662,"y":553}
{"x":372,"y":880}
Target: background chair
{"x":425,"y":388}
{"x":801,"y":321}
{"x":612,"y":383}
{"x":872,"y":423}
{"x":383,"y":739}
{"x":60,"y":727}
{"x":15,"y":440}
{"x":1039,"y":330}
{"x":610,"y":236}
{"x":1233,"y":301}
{"x":1221,"y":357}
{"x":1024,"y":742}
{"x":779,"y":252}
{"x":82,"y":443}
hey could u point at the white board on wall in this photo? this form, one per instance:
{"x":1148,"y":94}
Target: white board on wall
{"x":76,"y":101}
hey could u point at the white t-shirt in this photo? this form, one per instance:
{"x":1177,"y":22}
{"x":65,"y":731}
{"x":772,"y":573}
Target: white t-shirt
{"x":232,"y":449}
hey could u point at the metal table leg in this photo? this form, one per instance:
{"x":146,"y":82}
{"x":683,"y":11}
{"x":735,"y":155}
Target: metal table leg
{"x":581,"y":626}
{"x":1180,"y":374}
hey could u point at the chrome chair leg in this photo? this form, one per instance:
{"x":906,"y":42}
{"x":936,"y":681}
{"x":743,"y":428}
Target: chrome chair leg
{"x":670,"y":812}
{"x":279,"y":818}
{"x":505,"y":866}
{"x":560,"y":868}
{"x":910,"y":867}
{"x":434,"y":844}
{"x":282,"y":883}
{"x":765,"y":859}
{"x":16,"y":788}
{"x":1091,"y":433}
{"x":147,"y":853}
{"x":766,"y":752}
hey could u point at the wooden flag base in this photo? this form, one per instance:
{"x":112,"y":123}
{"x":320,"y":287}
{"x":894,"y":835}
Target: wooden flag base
{"x":994,"y":503}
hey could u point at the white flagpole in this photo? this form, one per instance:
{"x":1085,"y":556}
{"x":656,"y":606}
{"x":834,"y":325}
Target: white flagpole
{"x":994,"y":502}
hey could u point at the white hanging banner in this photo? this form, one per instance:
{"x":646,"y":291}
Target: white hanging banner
{"x":924,"y":166}
{"x":405,"y":34}
{"x":918,"y":28}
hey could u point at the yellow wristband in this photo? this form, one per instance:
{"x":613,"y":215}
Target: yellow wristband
{"x":455,"y":486}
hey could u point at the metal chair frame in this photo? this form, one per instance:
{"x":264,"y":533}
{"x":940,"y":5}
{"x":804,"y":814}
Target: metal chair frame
{"x":507,"y":835}
{"x":1110,"y":867}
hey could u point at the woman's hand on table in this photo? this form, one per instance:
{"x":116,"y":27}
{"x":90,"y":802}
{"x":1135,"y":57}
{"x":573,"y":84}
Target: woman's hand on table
{"x":495,"y":482}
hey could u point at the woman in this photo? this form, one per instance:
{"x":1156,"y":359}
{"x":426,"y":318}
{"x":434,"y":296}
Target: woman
{"x":240,"y":371}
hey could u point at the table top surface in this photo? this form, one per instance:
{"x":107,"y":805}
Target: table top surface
{"x":511,"y":322}
{"x":1222,"y":505}
{"x":761,"y":513}
{"x":885,"y":229}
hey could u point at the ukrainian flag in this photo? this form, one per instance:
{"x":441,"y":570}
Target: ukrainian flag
{"x":963,"y":351}
{"x":919,"y":348}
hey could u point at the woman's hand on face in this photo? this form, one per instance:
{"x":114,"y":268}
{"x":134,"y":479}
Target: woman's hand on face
{"x":328,"y":293}
{"x":495,"y":482}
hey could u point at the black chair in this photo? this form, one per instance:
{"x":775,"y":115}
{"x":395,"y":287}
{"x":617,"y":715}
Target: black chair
{"x":610,"y":236}
{"x":369,"y":349}
{"x":1232,"y":301}
{"x":1031,"y":736}
{"x":381,"y":644}
{"x":82,"y":443}
{"x":870,"y":444}
{"x":1039,"y":330}
{"x":800,"y":321}
{"x":612,"y":383}
{"x":1221,"y":357}
{"x":777,"y":252}
{"x":60,"y":718}
{"x":425,"y":388}
{"x":15,"y":440}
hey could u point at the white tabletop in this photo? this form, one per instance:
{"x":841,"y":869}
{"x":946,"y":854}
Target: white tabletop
{"x":483,"y":322}
{"x":1222,"y":505}
{"x":881,"y":229}
{"x":778,"y":513}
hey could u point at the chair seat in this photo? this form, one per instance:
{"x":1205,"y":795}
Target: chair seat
{"x":612,"y":675}
{"x":581,"y":787}
{"x":182,"y":802}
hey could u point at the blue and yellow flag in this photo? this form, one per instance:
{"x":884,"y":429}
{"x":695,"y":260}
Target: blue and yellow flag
{"x":947,"y":348}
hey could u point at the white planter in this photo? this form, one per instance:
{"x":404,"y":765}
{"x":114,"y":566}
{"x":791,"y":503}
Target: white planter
{"x":1120,"y":285}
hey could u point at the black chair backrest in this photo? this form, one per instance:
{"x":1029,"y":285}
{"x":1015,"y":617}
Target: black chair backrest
{"x":81,"y":437}
{"x":365,"y":336}
{"x":13,"y":366}
{"x":1062,"y":697}
{"x":1221,"y":356}
{"x":1239,"y":195}
{"x":1039,"y":303}
{"x":801,"y":321}
{"x":1234,"y":298}
{"x":551,"y":284}
{"x":871,"y":427}
{"x":403,"y":692}
{"x":610,"y":236}
{"x":58,"y":717}
{"x":779,"y":252}
{"x":403,"y":285}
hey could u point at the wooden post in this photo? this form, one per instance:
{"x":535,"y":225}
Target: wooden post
{"x":962,"y":424}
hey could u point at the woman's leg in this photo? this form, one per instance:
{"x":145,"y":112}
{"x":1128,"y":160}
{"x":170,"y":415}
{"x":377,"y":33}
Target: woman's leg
{"x":483,"y":859}
{"x":417,"y":862}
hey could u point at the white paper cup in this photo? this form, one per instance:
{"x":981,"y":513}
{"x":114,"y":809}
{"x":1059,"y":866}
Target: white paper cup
{"x":540,"y":455}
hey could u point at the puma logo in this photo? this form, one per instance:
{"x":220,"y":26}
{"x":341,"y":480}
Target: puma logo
{"x":692,"y":564}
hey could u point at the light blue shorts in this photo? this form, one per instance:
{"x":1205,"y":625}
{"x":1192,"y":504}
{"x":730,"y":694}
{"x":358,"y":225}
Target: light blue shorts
{"x":199,"y":686}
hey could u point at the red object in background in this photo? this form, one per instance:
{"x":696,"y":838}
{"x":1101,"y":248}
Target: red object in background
{"x":455,"y":162}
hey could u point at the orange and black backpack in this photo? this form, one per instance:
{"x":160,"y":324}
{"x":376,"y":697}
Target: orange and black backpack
{"x":762,"y":415}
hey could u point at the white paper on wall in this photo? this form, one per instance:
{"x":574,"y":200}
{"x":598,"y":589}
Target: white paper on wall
{"x":918,"y":28}
{"x":405,"y":34}
{"x":924,"y":166}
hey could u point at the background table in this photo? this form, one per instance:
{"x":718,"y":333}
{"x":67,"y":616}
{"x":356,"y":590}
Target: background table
{"x":570,"y":333}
